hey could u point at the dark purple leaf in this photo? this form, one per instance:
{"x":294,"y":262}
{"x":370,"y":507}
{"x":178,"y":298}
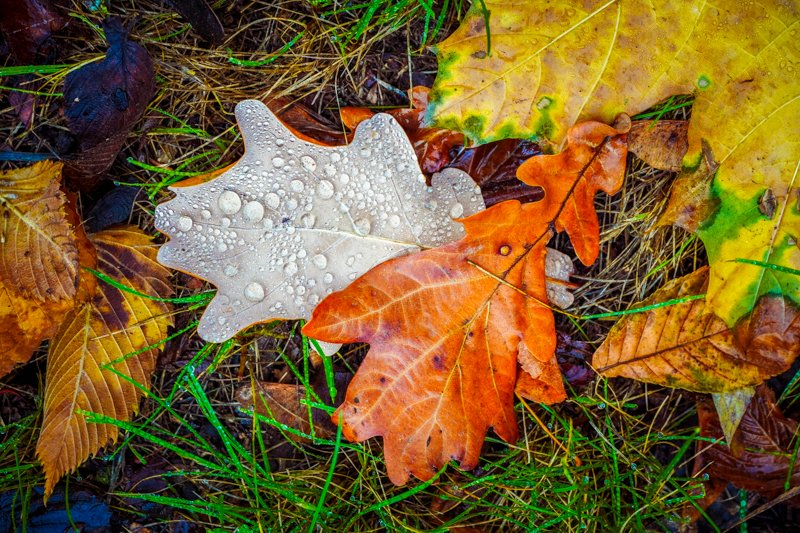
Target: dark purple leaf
{"x":103,"y":101}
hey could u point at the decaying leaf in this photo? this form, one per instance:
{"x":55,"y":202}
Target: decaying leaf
{"x":294,"y":221}
{"x":445,"y":328}
{"x":690,"y":201}
{"x":282,"y":402}
{"x":765,"y":449}
{"x":26,"y":26}
{"x":593,"y":159}
{"x":660,"y":143}
{"x":98,"y":348}
{"x":27,"y":321}
{"x":38,"y":252}
{"x":103,"y":101}
{"x":494,"y":166}
{"x":686,"y":346}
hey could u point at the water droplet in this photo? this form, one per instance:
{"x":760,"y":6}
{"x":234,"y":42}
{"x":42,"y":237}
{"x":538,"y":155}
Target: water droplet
{"x":325,"y":189}
{"x":349,"y":261}
{"x":222,"y":321}
{"x":222,"y":247}
{"x":230,"y":270}
{"x":278,"y":162}
{"x":225,"y":222}
{"x":297,"y":185}
{"x":456,"y":211}
{"x":205,"y":213}
{"x":253,"y":211}
{"x":308,"y":220}
{"x":308,"y":163}
{"x":184,"y":223}
{"x":335,"y":157}
{"x":290,"y":269}
{"x":313,"y":299}
{"x":254,"y":291}
{"x":362,"y":226}
{"x":344,"y":178}
{"x":229,"y":202}
{"x":273,"y":200}
{"x":394,"y":221}
{"x":320,"y":261}
{"x":328,"y":277}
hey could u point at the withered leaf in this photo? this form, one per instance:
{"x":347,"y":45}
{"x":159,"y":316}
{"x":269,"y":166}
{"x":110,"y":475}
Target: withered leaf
{"x":660,"y":143}
{"x":103,"y":101}
{"x":765,"y":447}
{"x":686,"y":346}
{"x":100,"y":346}
{"x":38,"y":251}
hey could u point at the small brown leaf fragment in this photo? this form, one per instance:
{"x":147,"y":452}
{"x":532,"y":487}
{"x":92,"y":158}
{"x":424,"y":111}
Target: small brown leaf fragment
{"x":38,"y":251}
{"x":766,"y":448}
{"x":282,"y":402}
{"x":26,"y":26}
{"x":660,"y":143}
{"x":767,"y":204}
{"x":690,"y":201}
{"x":115,"y":334}
{"x":686,"y":346}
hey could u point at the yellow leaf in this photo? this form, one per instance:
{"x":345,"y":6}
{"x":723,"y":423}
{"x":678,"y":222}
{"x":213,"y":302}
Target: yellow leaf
{"x":100,"y":346}
{"x":38,"y":253}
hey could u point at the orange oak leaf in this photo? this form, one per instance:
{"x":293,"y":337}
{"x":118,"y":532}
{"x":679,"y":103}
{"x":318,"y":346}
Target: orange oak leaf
{"x":593,"y":159}
{"x":446,"y":327}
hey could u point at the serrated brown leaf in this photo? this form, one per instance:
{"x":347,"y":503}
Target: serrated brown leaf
{"x":38,"y":251}
{"x":686,"y":346}
{"x":445,"y":328}
{"x":26,"y":322}
{"x":592,"y":160}
{"x":765,"y":443}
{"x":107,"y":335}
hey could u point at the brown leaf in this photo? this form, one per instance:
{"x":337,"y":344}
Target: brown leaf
{"x":660,"y":143}
{"x":103,"y":101}
{"x":98,"y":343}
{"x":593,"y":159}
{"x":202,"y":18}
{"x":444,"y":338}
{"x":306,"y":124}
{"x":282,"y":403}
{"x":690,"y":201}
{"x":38,"y":251}
{"x":26,"y":322}
{"x":766,"y":443}
{"x":688,"y":347}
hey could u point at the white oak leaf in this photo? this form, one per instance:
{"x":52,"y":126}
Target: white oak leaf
{"x":293,"y":221}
